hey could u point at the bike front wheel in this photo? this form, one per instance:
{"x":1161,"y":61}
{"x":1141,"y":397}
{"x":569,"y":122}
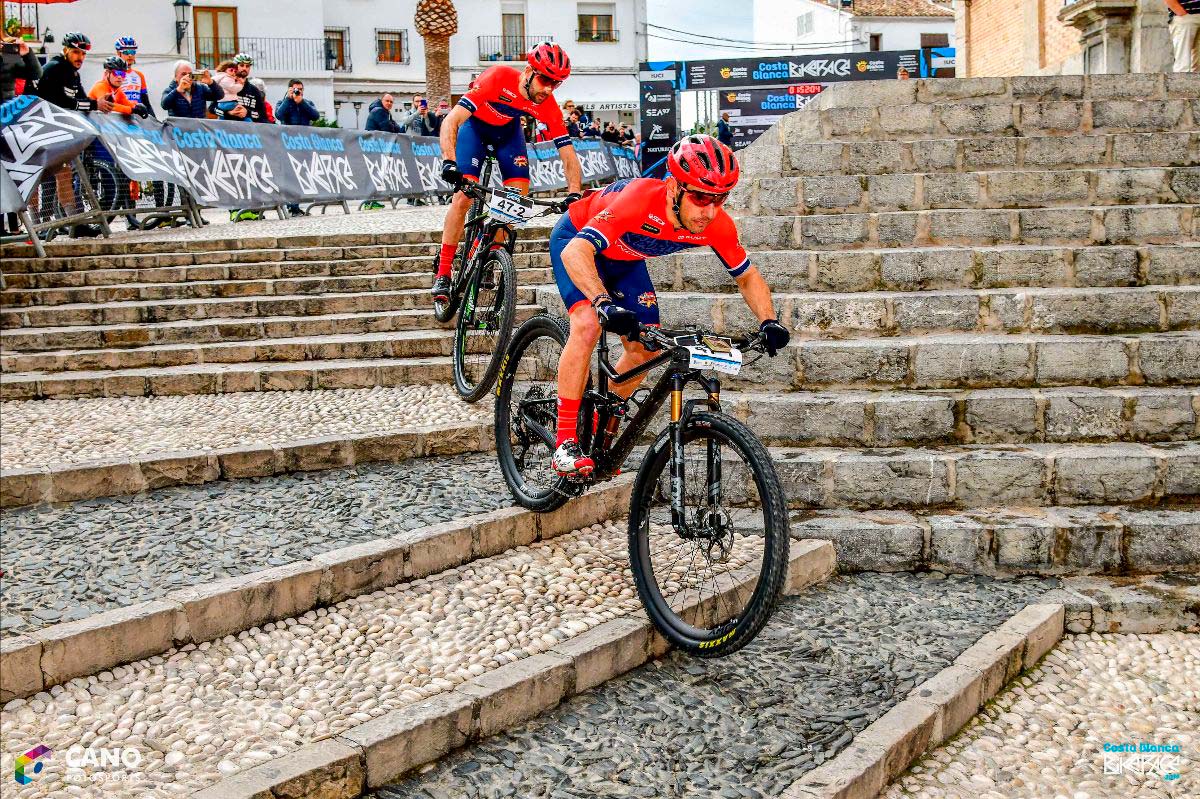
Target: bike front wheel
{"x":485,"y":324}
{"x":711,"y":575}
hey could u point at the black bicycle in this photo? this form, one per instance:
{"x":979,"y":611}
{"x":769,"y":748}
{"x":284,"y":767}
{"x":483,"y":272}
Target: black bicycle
{"x":486,"y":287}
{"x":708,"y":520}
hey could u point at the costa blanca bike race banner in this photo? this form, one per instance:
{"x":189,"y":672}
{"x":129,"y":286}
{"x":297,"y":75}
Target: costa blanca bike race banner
{"x":36,"y":136}
{"x":227,"y":164}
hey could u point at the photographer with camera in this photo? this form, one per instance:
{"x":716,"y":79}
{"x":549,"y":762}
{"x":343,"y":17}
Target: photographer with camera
{"x":293,"y":109}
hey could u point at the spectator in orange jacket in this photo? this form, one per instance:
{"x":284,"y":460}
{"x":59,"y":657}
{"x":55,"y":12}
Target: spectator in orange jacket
{"x":109,"y":87}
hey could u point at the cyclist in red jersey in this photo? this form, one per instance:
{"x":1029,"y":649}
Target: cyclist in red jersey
{"x":599,"y":250}
{"x":489,"y":114}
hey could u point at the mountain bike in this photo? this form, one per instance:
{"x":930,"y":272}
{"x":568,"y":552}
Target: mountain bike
{"x":707,"y":511}
{"x":484,"y":282}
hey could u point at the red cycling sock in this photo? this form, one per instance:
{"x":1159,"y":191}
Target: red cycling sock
{"x":568,"y":419}
{"x":446,"y":259}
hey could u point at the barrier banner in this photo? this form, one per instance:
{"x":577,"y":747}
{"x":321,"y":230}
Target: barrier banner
{"x":625,"y":163}
{"x":545,"y":167}
{"x":427,"y":157}
{"x":824,"y":68}
{"x":594,"y":159}
{"x":36,"y":136}
{"x":142,"y":148}
{"x":229,"y":165}
{"x":393,"y":168}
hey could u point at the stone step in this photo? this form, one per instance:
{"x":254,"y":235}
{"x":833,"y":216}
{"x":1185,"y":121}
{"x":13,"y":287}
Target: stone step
{"x":131,"y":258}
{"x":972,"y":360}
{"x":980,"y":476}
{"x":986,"y":416}
{"x":144,"y":311}
{"x":880,"y":313}
{"x":265,"y":270}
{"x":970,"y":154}
{"x":1138,"y":224}
{"x":353,"y":346}
{"x":207,"y":331}
{"x":848,"y":194}
{"x":222,"y":378}
{"x":1009,"y":541}
{"x":265,"y":287}
{"x":950,"y":267}
{"x":171,"y":242}
{"x":964,"y":118}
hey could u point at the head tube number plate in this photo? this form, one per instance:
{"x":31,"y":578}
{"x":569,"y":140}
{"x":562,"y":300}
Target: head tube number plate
{"x":720,"y":358}
{"x":510,"y":207}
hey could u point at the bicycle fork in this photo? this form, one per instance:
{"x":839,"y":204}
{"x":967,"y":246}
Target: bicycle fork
{"x":712,"y":459}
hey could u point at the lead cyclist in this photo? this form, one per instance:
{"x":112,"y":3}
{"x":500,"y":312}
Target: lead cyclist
{"x":490,"y":114}
{"x":601,"y":245}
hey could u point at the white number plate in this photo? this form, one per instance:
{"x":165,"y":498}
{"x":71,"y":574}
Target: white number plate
{"x":728,"y":361}
{"x":511,"y":208}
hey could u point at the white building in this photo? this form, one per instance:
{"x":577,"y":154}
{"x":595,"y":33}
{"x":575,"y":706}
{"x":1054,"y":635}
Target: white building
{"x":840,"y":26}
{"x":349,"y":52}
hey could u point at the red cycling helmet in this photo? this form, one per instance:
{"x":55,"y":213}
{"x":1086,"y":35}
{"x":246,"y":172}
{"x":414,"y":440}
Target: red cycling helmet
{"x":703,"y":163}
{"x":550,"y":61}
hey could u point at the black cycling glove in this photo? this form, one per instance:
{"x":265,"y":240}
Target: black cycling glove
{"x":616,"y":319}
{"x":565,"y":202}
{"x":451,"y":173}
{"x":775,"y":336}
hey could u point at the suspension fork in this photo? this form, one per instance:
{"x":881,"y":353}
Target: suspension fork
{"x":714,"y":447}
{"x":675,"y":428}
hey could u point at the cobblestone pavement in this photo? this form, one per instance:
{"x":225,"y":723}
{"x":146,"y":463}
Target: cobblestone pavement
{"x":97,"y":555}
{"x":830,"y":662}
{"x":400,"y":220}
{"x":207,"y":711}
{"x":44,"y":432}
{"x":1045,"y":735}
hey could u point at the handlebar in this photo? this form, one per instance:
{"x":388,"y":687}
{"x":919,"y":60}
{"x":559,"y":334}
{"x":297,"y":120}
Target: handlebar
{"x":655,"y":338}
{"x":473,"y":189}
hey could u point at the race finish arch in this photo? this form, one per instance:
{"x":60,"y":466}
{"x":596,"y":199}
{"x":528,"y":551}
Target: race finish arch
{"x":756,"y":91}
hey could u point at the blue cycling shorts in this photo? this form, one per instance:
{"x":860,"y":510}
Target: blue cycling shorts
{"x":628,"y":282}
{"x":474,"y":137}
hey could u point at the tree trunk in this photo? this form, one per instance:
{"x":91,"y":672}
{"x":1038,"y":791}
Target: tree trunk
{"x":437,"y":69}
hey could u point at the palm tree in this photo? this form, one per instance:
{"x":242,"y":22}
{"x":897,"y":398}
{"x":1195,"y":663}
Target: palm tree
{"x":436,"y":21}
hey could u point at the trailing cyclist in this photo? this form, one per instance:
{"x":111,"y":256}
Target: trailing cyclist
{"x":489,"y":114}
{"x":599,"y":250}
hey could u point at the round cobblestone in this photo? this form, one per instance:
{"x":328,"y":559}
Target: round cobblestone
{"x":45,"y":432}
{"x":87,"y":557}
{"x":1046,"y":734}
{"x":830,"y":662}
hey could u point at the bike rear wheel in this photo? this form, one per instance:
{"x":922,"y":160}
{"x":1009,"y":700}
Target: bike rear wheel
{"x":485,"y":324}
{"x":527,"y":414}
{"x":710,"y":584}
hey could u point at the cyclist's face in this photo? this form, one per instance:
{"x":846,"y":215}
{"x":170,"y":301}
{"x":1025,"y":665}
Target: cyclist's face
{"x":243,"y":70}
{"x":542,"y":87}
{"x":75,"y":56}
{"x":694,"y":216}
{"x":115,"y":78}
{"x":129,"y":56}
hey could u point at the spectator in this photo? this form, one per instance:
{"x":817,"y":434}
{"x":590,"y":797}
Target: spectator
{"x":268,"y":113}
{"x":591,"y":130}
{"x":724,"y":130}
{"x":610,"y":134}
{"x":1185,"y":34}
{"x":135,"y":86}
{"x":226,"y":88}
{"x":251,"y":96}
{"x":60,"y":86}
{"x":574,"y":129}
{"x":410,"y":120}
{"x":626,"y":135}
{"x":293,"y":109}
{"x":379,"y":116}
{"x":433,"y":122}
{"x":902,"y":74}
{"x":108,"y":89}
{"x":187,"y":95}
{"x":18,"y":62}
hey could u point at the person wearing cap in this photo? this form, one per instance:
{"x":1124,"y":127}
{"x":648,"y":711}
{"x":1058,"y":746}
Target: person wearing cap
{"x":135,"y":86}
{"x":109,"y":88}
{"x":18,"y":62}
{"x":60,"y":86}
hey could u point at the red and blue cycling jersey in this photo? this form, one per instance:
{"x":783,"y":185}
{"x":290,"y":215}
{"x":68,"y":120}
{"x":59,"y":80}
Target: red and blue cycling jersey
{"x":496,"y":100}
{"x":626,"y":221}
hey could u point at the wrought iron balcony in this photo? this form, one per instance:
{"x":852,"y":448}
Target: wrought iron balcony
{"x":508,"y":48}
{"x":597,"y":36}
{"x":272,"y":54}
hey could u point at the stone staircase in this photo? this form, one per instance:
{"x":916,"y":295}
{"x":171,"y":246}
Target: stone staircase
{"x":298,"y":313}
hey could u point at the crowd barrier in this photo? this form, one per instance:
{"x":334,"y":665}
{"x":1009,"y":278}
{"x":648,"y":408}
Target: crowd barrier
{"x":157,"y":170}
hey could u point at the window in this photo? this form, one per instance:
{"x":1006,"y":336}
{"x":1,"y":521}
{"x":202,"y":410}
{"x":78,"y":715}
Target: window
{"x":935,"y":40}
{"x":216,"y":35}
{"x":876,"y":41}
{"x":513,"y":28}
{"x":391,"y":47}
{"x":337,"y":49}
{"x":804,"y":24}
{"x":596,"y":22}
